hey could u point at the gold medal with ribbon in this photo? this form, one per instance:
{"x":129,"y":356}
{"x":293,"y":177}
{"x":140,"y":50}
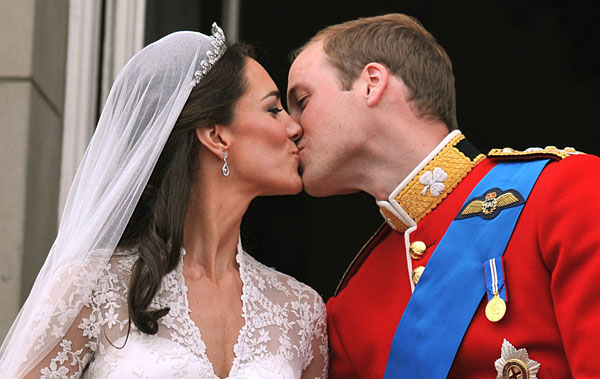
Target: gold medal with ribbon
{"x":495,"y":309}
{"x":495,"y":288}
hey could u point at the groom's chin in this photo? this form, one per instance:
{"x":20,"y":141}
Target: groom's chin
{"x":315,"y":185}
{"x":315,"y":189}
{"x":320,"y":188}
{"x":306,"y":185}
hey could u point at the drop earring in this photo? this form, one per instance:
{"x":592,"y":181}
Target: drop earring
{"x":225,"y":168}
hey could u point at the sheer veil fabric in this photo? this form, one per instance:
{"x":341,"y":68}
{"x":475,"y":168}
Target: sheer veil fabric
{"x":140,"y":112}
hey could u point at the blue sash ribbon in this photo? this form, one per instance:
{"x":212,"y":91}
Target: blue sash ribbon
{"x":453,"y":284}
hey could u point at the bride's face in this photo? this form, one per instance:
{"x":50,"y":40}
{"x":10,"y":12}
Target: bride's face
{"x":263,"y":152}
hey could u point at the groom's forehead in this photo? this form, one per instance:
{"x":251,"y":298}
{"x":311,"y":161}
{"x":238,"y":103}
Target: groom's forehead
{"x":309,"y":58}
{"x":309,"y":69}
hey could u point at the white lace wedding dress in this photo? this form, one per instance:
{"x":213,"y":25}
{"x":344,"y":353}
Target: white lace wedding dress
{"x":284,"y":335}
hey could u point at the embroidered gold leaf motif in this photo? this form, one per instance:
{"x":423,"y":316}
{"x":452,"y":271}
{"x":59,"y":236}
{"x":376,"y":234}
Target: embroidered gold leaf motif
{"x":491,"y":204}
{"x":474,"y":207}
{"x":417,"y":202}
{"x":506,"y":199}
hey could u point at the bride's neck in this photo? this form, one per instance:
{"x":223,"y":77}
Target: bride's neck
{"x":214,"y":213}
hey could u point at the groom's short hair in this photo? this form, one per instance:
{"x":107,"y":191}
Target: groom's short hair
{"x":403,"y":45}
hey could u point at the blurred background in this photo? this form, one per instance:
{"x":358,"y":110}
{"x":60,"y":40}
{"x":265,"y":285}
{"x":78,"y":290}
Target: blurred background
{"x":527,"y":74}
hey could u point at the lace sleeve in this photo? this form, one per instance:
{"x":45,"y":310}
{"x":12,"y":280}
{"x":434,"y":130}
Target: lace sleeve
{"x":100,"y":317}
{"x":70,"y":356}
{"x":319,"y":365}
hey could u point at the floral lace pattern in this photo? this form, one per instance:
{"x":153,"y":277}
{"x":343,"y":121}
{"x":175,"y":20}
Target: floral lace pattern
{"x":284,"y":335}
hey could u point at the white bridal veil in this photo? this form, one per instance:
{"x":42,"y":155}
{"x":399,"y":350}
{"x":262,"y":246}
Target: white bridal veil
{"x":142,"y":107}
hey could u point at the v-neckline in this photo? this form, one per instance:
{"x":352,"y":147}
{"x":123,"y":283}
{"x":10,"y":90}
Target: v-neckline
{"x":188,"y":319}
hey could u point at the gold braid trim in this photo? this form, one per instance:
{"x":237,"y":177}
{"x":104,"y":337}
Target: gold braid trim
{"x":454,"y":163}
{"x":391,"y":218}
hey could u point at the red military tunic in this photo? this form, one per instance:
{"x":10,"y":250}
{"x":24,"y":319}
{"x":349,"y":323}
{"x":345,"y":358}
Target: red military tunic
{"x":551,"y":263}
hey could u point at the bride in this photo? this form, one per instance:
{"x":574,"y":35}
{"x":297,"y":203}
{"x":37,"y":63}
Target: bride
{"x":147,"y":276}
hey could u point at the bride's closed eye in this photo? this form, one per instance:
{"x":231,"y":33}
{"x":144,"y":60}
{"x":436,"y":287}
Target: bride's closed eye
{"x":274,"y":110}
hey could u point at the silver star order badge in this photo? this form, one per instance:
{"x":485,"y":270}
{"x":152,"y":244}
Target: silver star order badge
{"x":515,"y":364}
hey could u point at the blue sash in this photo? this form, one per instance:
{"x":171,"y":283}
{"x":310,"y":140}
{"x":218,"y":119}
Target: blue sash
{"x":453,"y":284}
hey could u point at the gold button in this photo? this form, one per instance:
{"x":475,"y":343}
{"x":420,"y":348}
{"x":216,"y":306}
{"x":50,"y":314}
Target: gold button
{"x":550,"y":147}
{"x":416,"y":274}
{"x":417,"y":249}
{"x":570,"y":149}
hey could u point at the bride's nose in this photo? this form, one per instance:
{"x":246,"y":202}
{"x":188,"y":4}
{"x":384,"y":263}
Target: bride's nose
{"x":294,"y":129}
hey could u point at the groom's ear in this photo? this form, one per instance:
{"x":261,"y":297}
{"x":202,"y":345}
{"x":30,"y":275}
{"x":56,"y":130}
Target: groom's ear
{"x":375,"y":79}
{"x":214,"y":138}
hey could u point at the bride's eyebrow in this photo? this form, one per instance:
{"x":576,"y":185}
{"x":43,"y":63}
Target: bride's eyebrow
{"x":272,"y":93}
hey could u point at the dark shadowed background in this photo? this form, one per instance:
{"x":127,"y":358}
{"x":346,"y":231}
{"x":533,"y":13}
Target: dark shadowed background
{"x":527,"y":74}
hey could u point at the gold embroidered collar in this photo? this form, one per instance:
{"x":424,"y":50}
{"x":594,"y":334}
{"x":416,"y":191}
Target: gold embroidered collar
{"x":430,"y":182}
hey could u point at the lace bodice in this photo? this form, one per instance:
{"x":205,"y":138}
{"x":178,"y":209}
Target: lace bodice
{"x":284,"y":335}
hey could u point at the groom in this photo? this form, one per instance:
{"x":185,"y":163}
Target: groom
{"x":486,"y":265}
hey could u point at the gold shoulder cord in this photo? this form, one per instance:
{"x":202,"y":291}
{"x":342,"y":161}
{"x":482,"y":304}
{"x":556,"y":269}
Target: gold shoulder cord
{"x":551,"y":152}
{"x":338,"y":289}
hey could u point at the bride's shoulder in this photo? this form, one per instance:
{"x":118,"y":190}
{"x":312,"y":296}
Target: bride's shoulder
{"x":97,"y":265}
{"x":123,"y":259}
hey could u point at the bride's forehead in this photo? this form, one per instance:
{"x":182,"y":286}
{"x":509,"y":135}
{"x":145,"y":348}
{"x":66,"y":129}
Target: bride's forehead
{"x":259,"y":82}
{"x":255,"y":72}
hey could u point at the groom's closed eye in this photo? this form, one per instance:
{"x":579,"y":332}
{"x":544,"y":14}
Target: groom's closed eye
{"x":296,"y":101}
{"x":301,"y":102}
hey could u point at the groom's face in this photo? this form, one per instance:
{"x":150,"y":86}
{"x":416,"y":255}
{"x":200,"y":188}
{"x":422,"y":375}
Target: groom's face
{"x":328,"y":116}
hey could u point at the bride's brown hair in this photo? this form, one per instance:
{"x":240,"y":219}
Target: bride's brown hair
{"x":155,"y":230}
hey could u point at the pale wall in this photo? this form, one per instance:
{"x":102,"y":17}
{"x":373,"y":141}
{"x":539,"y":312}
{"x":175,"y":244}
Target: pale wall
{"x":33,"y":39}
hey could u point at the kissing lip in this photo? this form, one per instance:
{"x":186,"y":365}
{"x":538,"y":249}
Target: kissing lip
{"x":298,"y":150}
